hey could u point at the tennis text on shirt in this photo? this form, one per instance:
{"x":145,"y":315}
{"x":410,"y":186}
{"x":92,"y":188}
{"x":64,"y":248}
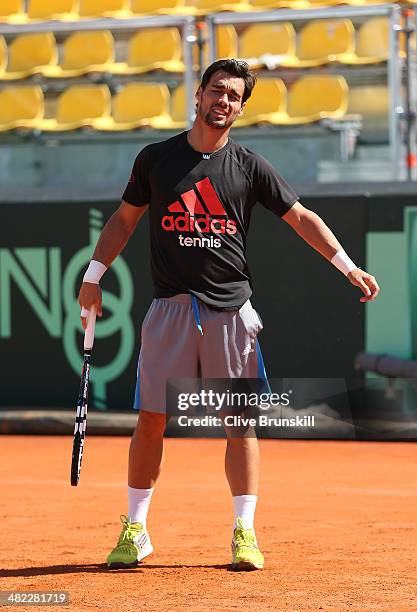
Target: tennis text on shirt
{"x":200,"y":207}
{"x":199,"y":211}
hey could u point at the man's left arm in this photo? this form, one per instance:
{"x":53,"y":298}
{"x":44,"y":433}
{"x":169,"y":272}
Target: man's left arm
{"x":315,"y":232}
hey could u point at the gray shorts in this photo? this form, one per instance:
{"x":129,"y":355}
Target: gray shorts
{"x":184,"y":338}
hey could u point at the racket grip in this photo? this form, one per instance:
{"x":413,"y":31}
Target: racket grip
{"x":89,"y":332}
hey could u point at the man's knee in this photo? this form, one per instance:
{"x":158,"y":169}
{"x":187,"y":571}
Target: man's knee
{"x":151,"y":423}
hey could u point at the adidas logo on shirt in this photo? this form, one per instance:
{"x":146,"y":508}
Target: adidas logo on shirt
{"x":191,"y":216}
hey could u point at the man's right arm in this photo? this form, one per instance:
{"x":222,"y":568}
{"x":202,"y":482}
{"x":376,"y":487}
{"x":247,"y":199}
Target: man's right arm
{"x":111,"y":242}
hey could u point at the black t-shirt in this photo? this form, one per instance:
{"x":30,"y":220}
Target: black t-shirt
{"x":199,"y":211}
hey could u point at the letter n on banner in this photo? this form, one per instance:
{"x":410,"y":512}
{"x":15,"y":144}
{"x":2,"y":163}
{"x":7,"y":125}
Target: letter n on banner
{"x":37,"y":273}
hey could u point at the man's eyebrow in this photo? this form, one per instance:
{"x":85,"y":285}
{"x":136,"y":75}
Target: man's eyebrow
{"x":222,"y":86}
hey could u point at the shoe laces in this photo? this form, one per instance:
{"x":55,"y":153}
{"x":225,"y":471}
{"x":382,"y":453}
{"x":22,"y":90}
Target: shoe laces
{"x":130,"y":530}
{"x":244,"y":537}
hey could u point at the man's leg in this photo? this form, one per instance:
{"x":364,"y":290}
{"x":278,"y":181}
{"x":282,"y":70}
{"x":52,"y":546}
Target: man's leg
{"x":242,"y":472}
{"x":242,"y":465}
{"x":229,"y":350}
{"x":146,"y":450}
{"x":145,"y":460}
{"x":169,"y":350}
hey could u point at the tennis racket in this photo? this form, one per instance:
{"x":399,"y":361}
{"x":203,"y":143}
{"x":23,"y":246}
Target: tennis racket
{"x":82,"y":404}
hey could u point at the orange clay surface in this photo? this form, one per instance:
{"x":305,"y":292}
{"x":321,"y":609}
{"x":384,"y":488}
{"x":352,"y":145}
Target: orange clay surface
{"x":335,"y":520}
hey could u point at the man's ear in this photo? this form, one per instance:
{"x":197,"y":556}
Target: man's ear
{"x":242,"y":108}
{"x":198,"y":96}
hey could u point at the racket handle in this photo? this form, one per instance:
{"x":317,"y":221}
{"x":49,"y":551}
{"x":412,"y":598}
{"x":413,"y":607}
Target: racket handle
{"x":89,"y":332}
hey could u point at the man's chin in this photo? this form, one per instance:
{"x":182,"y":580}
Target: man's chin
{"x":218,"y":123}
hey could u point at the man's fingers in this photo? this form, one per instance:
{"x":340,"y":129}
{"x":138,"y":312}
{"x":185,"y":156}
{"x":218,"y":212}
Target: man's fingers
{"x":366,"y":282}
{"x":365,"y":290}
{"x":364,"y":287}
{"x":369,"y":287}
{"x":373,"y":286}
{"x":85,"y":313}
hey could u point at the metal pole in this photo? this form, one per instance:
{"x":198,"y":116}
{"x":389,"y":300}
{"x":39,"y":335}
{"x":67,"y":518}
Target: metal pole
{"x":94,"y":24}
{"x":410,"y":115}
{"x":394,"y":85}
{"x":303,"y":14}
{"x":211,"y":32}
{"x":189,"y":38}
{"x":200,"y":27}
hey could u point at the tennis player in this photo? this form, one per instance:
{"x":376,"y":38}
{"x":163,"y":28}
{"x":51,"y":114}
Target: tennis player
{"x":200,"y":188}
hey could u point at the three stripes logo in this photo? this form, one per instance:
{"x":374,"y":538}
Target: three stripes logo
{"x":199,"y":210}
{"x":141,"y":540}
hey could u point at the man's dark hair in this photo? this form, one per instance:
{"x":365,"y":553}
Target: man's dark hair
{"x":234,"y":67}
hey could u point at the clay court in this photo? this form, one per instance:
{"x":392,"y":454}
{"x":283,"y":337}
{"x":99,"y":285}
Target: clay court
{"x":336,"y":522}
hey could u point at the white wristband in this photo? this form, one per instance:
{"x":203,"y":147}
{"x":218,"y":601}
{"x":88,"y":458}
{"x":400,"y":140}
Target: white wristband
{"x":94,"y":272}
{"x":343,"y":262}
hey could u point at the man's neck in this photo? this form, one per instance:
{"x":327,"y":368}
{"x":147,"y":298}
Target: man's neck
{"x":205,"y":139}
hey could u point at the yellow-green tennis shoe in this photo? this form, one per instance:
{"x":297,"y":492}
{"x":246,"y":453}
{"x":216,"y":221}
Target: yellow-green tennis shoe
{"x":133,"y":545}
{"x":245,"y":552}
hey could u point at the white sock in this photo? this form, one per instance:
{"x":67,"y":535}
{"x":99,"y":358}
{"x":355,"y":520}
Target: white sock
{"x":244,"y":507}
{"x":138,"y":504}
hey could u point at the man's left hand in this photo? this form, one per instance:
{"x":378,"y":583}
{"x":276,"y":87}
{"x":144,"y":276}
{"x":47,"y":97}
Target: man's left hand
{"x":366,"y":282}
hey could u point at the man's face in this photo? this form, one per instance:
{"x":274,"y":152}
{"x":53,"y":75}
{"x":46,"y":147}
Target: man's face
{"x":221,"y":101}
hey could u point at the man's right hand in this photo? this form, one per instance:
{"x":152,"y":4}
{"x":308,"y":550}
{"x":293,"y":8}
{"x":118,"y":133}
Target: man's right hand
{"x":90,"y":295}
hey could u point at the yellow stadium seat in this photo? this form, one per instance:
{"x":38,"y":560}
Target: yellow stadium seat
{"x":204,"y":7}
{"x":368,"y":2}
{"x":312,"y":98}
{"x":372,"y":45}
{"x":53,"y":9}
{"x":263,"y":43}
{"x":105,"y":8}
{"x":271,"y":4}
{"x":79,"y":106}
{"x":83,"y":53}
{"x":372,"y":102}
{"x":177,"y":117}
{"x":324,"y":3}
{"x":372,"y":42}
{"x":135,"y":106}
{"x":179,"y":105}
{"x":156,"y":7}
{"x":226,"y":41}
{"x":20,"y":107}
{"x":323,"y":41}
{"x":226,"y":45}
{"x":3,"y":55}
{"x":153,"y":49}
{"x":30,"y":54}
{"x":267,"y":103}
{"x":13,"y":11}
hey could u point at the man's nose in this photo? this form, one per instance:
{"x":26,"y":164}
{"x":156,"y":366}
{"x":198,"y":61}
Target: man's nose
{"x":223,"y":99}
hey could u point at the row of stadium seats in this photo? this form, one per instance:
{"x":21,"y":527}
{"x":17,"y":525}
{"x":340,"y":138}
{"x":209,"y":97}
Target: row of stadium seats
{"x":86,"y":52}
{"x":13,"y":11}
{"x":135,"y":105}
{"x":317,"y":43}
{"x":272,"y":44}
